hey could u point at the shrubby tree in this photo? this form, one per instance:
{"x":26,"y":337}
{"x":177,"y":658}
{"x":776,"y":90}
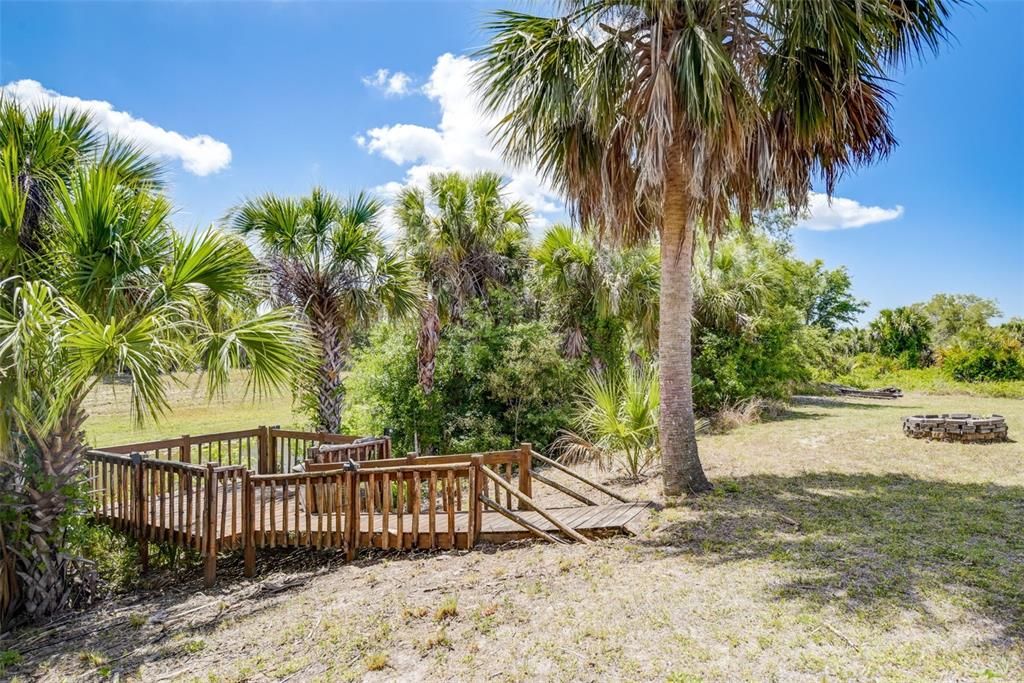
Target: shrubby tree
{"x":825,"y":295}
{"x":957,"y":315}
{"x":499,"y":379}
{"x":1013,"y":329}
{"x":903,"y":333}
{"x":751,"y":337}
{"x":986,"y":358}
{"x":978,"y":352}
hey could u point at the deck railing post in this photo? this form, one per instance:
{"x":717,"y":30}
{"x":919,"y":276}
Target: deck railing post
{"x":210,"y":526}
{"x":476,"y":478}
{"x":249,"y":523}
{"x":525,"y":482}
{"x":351,"y":515}
{"x":185,"y":450}
{"x":272,"y":450}
{"x":471,"y":511}
{"x":262,"y":447}
{"x":139,"y":509}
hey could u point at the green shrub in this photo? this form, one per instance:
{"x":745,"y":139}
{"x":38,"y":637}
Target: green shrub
{"x":903,"y":333}
{"x":869,"y":370}
{"x":768,"y":362}
{"x":988,"y":361}
{"x":499,"y":379}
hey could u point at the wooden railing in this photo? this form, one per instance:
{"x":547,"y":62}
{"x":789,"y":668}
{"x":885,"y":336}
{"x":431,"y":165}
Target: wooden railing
{"x":287,"y":447}
{"x":422,"y":502}
{"x":265,"y":450}
{"x":416,"y":506}
{"x":161,"y":501}
{"x":359,"y":450}
{"x":242,"y":447}
{"x":301,"y":509}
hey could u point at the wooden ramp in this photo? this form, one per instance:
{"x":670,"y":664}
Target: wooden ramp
{"x":590,"y":520}
{"x":593,"y":520}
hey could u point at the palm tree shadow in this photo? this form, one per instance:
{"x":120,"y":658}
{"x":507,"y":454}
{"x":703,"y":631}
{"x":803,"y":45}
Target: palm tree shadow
{"x":872,"y":542}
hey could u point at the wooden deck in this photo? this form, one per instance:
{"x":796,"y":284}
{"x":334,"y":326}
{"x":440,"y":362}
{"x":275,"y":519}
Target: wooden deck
{"x":421,"y":502}
{"x":284,"y":520}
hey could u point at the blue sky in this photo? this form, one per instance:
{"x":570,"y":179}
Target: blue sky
{"x":243,"y":98}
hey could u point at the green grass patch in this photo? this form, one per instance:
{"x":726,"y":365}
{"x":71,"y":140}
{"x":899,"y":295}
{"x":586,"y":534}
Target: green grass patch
{"x":9,"y":658}
{"x":925,"y":380}
{"x":189,"y":412}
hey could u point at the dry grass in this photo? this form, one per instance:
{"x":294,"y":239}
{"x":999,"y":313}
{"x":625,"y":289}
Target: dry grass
{"x":745,"y":413}
{"x":832,"y":549}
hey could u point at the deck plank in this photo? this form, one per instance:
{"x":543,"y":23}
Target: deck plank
{"x":593,"y":519}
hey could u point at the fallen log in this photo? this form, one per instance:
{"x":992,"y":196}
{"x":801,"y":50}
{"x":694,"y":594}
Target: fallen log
{"x":883,"y":392}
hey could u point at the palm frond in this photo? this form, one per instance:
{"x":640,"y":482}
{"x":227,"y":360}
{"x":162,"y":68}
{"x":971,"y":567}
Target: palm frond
{"x":271,"y":347}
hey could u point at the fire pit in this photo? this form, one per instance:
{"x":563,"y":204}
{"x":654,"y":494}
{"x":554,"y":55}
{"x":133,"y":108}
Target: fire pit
{"x":956,"y":427}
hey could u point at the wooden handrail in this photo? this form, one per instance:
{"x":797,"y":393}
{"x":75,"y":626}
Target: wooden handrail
{"x":95,"y":454}
{"x":523,"y":498}
{"x":319,"y":467}
{"x":312,"y":436}
{"x":225,"y":468}
{"x":564,"y":489}
{"x":335,"y":447}
{"x":457,"y":467}
{"x":288,"y":476}
{"x":562,"y":468}
{"x":223,"y":436}
{"x":142,"y":446}
{"x":98,"y":456}
{"x":518,"y":519}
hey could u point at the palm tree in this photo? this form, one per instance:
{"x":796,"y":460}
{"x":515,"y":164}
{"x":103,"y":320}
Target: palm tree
{"x":665,"y":117}
{"x":568,"y":265}
{"x":463,"y":237}
{"x":730,"y":286}
{"x":902,"y":332}
{"x":597,"y":290}
{"x":113,"y":288}
{"x":618,"y":421}
{"x":327,"y":260}
{"x":45,"y":146}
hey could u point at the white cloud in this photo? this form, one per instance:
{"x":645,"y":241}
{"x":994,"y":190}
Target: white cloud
{"x":460,"y":142}
{"x":199,"y":154}
{"x":397,"y":83}
{"x":842,"y":213}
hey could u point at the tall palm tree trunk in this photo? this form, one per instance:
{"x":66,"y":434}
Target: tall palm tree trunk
{"x":48,"y":578}
{"x":429,"y":337}
{"x":329,"y":376}
{"x":680,"y":462}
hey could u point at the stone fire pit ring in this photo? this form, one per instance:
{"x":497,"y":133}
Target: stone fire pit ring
{"x":956,"y":427}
